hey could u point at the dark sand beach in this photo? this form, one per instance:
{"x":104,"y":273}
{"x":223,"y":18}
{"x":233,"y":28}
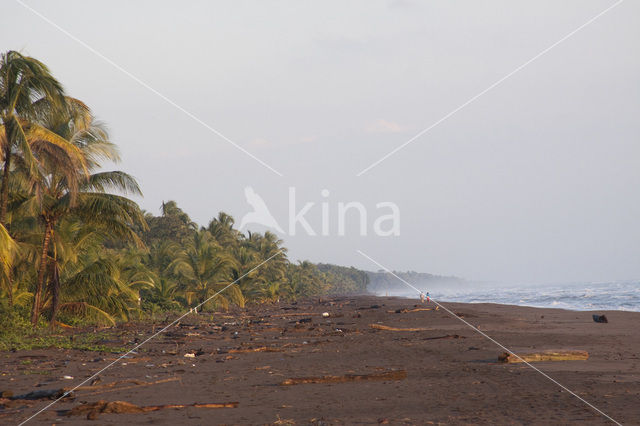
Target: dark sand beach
{"x":249,"y":357}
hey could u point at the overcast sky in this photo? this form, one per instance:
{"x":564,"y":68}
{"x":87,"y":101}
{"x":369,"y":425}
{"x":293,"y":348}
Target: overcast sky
{"x":537,"y":180}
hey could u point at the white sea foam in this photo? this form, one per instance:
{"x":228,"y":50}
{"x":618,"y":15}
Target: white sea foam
{"x":623,"y":296}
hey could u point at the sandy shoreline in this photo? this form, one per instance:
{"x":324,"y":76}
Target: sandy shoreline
{"x":452,"y":372}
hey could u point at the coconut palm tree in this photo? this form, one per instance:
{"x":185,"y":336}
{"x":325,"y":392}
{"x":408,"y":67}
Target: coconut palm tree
{"x":27,"y":90}
{"x":58,"y":195}
{"x":243,"y":271}
{"x":271,"y":256}
{"x":221,"y":228}
{"x":96,"y":287}
{"x":163,"y":294}
{"x":8,"y":252}
{"x":305,"y":279}
{"x":205,"y":268}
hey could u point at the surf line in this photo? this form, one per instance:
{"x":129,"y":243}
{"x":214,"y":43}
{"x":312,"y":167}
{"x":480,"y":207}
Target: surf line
{"x":474,"y":328}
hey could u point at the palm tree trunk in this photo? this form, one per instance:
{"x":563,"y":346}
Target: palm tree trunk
{"x":4,"y":189}
{"x":55,"y":291}
{"x":35,"y":312}
{"x":10,"y":288}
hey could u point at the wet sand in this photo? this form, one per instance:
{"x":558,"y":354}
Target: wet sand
{"x":452,"y":373}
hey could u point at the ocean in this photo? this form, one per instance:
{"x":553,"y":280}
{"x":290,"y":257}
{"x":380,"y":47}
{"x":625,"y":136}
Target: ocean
{"x":622,"y":296}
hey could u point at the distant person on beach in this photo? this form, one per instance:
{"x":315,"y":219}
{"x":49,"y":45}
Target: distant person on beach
{"x":422,"y":297}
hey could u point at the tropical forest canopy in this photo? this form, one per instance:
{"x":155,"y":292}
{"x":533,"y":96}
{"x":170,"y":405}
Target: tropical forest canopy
{"x":73,"y":246}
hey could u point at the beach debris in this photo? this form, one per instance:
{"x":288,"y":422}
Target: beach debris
{"x":41,"y":394}
{"x":325,"y":314}
{"x":108,"y":387}
{"x":387,"y":328}
{"x":448,"y":336}
{"x":368,"y":307}
{"x":113,"y":386}
{"x":600,"y":318}
{"x":550,"y":355}
{"x":405,"y":311}
{"x":259,"y":349}
{"x":384,"y":376}
{"x":190,"y":355}
{"x":67,"y":377}
{"x":94,"y":409}
{"x":295,"y":314}
{"x":281,"y":421}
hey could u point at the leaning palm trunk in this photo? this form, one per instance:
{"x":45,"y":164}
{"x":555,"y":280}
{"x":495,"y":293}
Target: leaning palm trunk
{"x":9,"y":282}
{"x":35,"y":312}
{"x":54,"y":284}
{"x":4,"y":189}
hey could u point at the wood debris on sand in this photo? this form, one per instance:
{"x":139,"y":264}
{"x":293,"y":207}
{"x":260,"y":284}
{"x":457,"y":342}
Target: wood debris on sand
{"x":94,"y":409}
{"x":387,"y":375}
{"x":387,"y":328}
{"x":406,"y":311}
{"x":550,"y":355}
{"x":259,"y":349}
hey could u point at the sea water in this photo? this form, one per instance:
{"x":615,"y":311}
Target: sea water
{"x":623,"y":295}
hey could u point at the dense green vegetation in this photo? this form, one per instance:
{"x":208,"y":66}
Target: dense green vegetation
{"x":74,"y":249}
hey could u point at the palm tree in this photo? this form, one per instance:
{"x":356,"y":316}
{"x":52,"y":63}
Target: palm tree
{"x":170,"y":208}
{"x":96,"y":287}
{"x":273,"y":269}
{"x":243,"y":271}
{"x":57,"y":194}
{"x":305,"y":279}
{"x":221,"y":228}
{"x":205,"y":266}
{"x":163,"y":294}
{"x":27,"y":90}
{"x":8,"y":251}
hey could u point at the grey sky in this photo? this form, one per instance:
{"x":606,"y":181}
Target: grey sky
{"x":538,"y":180}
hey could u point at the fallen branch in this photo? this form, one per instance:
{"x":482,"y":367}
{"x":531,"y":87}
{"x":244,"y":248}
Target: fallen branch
{"x":297,"y":314}
{"x":93,"y":410}
{"x":260,"y":349}
{"x":405,"y":311}
{"x":388,"y":375}
{"x":448,"y":336}
{"x":550,"y":355}
{"x":386,"y":327}
{"x":131,"y":360}
{"x":111,"y":387}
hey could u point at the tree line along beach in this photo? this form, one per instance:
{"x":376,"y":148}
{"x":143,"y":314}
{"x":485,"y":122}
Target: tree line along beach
{"x":86,"y":275}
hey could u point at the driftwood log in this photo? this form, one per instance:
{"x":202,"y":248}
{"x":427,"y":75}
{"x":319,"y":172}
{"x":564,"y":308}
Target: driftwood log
{"x":405,"y":311}
{"x":387,"y":375}
{"x":550,"y":355}
{"x":94,"y":409}
{"x":260,"y":349}
{"x":387,"y":328}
